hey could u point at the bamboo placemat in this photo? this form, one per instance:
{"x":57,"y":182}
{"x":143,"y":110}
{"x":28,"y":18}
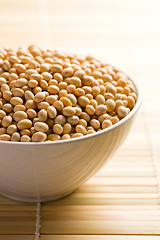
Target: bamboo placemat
{"x":122,"y":202}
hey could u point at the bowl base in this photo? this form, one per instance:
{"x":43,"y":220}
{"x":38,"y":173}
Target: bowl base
{"x":33,"y":200}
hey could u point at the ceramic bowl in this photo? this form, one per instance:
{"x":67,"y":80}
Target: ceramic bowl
{"x":34,"y":172}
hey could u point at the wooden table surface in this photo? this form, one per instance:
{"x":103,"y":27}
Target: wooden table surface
{"x":122,"y":202}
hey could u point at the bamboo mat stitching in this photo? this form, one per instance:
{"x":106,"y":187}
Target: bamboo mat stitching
{"x":38,"y":221}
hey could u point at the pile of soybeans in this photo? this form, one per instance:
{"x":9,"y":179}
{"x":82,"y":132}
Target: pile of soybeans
{"x":47,"y":95}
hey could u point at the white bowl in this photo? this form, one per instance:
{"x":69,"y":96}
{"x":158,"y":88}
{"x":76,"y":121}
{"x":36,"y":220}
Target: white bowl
{"x":34,"y":172}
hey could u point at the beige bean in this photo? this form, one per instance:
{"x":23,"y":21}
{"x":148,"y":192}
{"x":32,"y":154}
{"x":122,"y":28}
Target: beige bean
{"x":65,"y":137}
{"x":100,"y":99}
{"x":95,"y":124}
{"x":123,"y":111}
{"x":106,"y":123}
{"x":29,"y":95}
{"x":18,"y":92}
{"x":16,"y":101}
{"x":79,"y":74}
{"x":36,"y":76}
{"x":19,"y":115}
{"x":32,"y":83}
{"x":37,"y":90}
{"x":31,"y":113}
{"x":19,"y":108}
{"x":75,"y":81}
{"x":80,"y":129}
{"x":6,"y":121}
{"x":83,"y":123}
{"x":25,"y":138}
{"x":90,"y":131}
{"x":6,"y":65}
{"x":87,"y":89}
{"x":41,"y":127}
{"x":58,"y":105}
{"x":114,"y":119}
{"x":83,"y":101}
{"x":30,"y":72}
{"x":52,"y":112}
{"x":21,"y":82}
{"x":66,"y":101}
{"x":103,"y":117}
{"x":25,"y":132}
{"x":15,"y":137}
{"x":56,"y":68}
{"x":2,"y":81}
{"x":39,"y":97}
{"x":4,"y":88}
{"x":90,"y":109}
{"x":43,"y":105}
{"x":54,"y":137}
{"x":131,"y":102}
{"x":3,"y":130}
{"x":67,"y":72}
{"x":73,"y":120}
{"x":110,"y":103}
{"x":78,"y":111}
{"x":42,"y":115}
{"x":94,"y":103}
{"x":5,"y":137}
{"x":60,"y":119}
{"x":75,"y":135}
{"x":79,"y":92}
{"x":2,"y":114}
{"x":71,"y":88}
{"x":85,"y":116}
{"x":62,"y":85}
{"x":68,"y":111}
{"x":44,"y":67}
{"x":24,"y":124}
{"x":47,"y":76}
{"x":67,"y":128}
{"x":57,"y":129}
{"x":39,"y":137}
{"x":100,"y":109}
{"x":53,"y":89}
{"x":7,"y":95}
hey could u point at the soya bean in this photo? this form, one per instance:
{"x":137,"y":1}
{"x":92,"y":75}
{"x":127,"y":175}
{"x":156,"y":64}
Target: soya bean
{"x":25,"y":138}
{"x":31,"y":113}
{"x":39,"y":137}
{"x":68,"y":111}
{"x":46,"y":76}
{"x":58,"y":105}
{"x":43,"y":105}
{"x":65,"y":137}
{"x":85,"y":116}
{"x":95,"y":124}
{"x":19,"y":115}
{"x":32,"y":83}
{"x":2,"y":114}
{"x":110,"y":103}
{"x":66,"y":102}
{"x":52,"y":112}
{"x":100,"y":99}
{"x":56,"y":68}
{"x":3,"y":130}
{"x":81,"y":129}
{"x":41,"y":127}
{"x":74,"y":120}
{"x":29,"y":95}
{"x":24,"y":124}
{"x":42,"y":115}
{"x":72,"y":98}
{"x":51,"y":99}
{"x":100,"y":109}
{"x":103,"y":117}
{"x":54,"y":137}
{"x":7,"y":120}
{"x":25,"y":132}
{"x":53,"y":89}
{"x":16,"y":101}
{"x":7,"y":95}
{"x":19,"y":108}
{"x":83,"y":101}
{"x":106,"y":123}
{"x":5,"y":137}
{"x":90,"y":109}
{"x":60,"y":119}
{"x":75,"y":135}
{"x":18,"y":92}
{"x":57,"y":129}
{"x":122,"y":111}
{"x":39,"y":97}
{"x":131,"y":102}
{"x":67,"y":128}
{"x":15,"y":137}
{"x":75,"y":81}
{"x":78,"y":111}
{"x":21,"y":82}
{"x":67,"y":72}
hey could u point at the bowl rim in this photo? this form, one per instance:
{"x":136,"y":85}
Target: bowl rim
{"x":116,"y":125}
